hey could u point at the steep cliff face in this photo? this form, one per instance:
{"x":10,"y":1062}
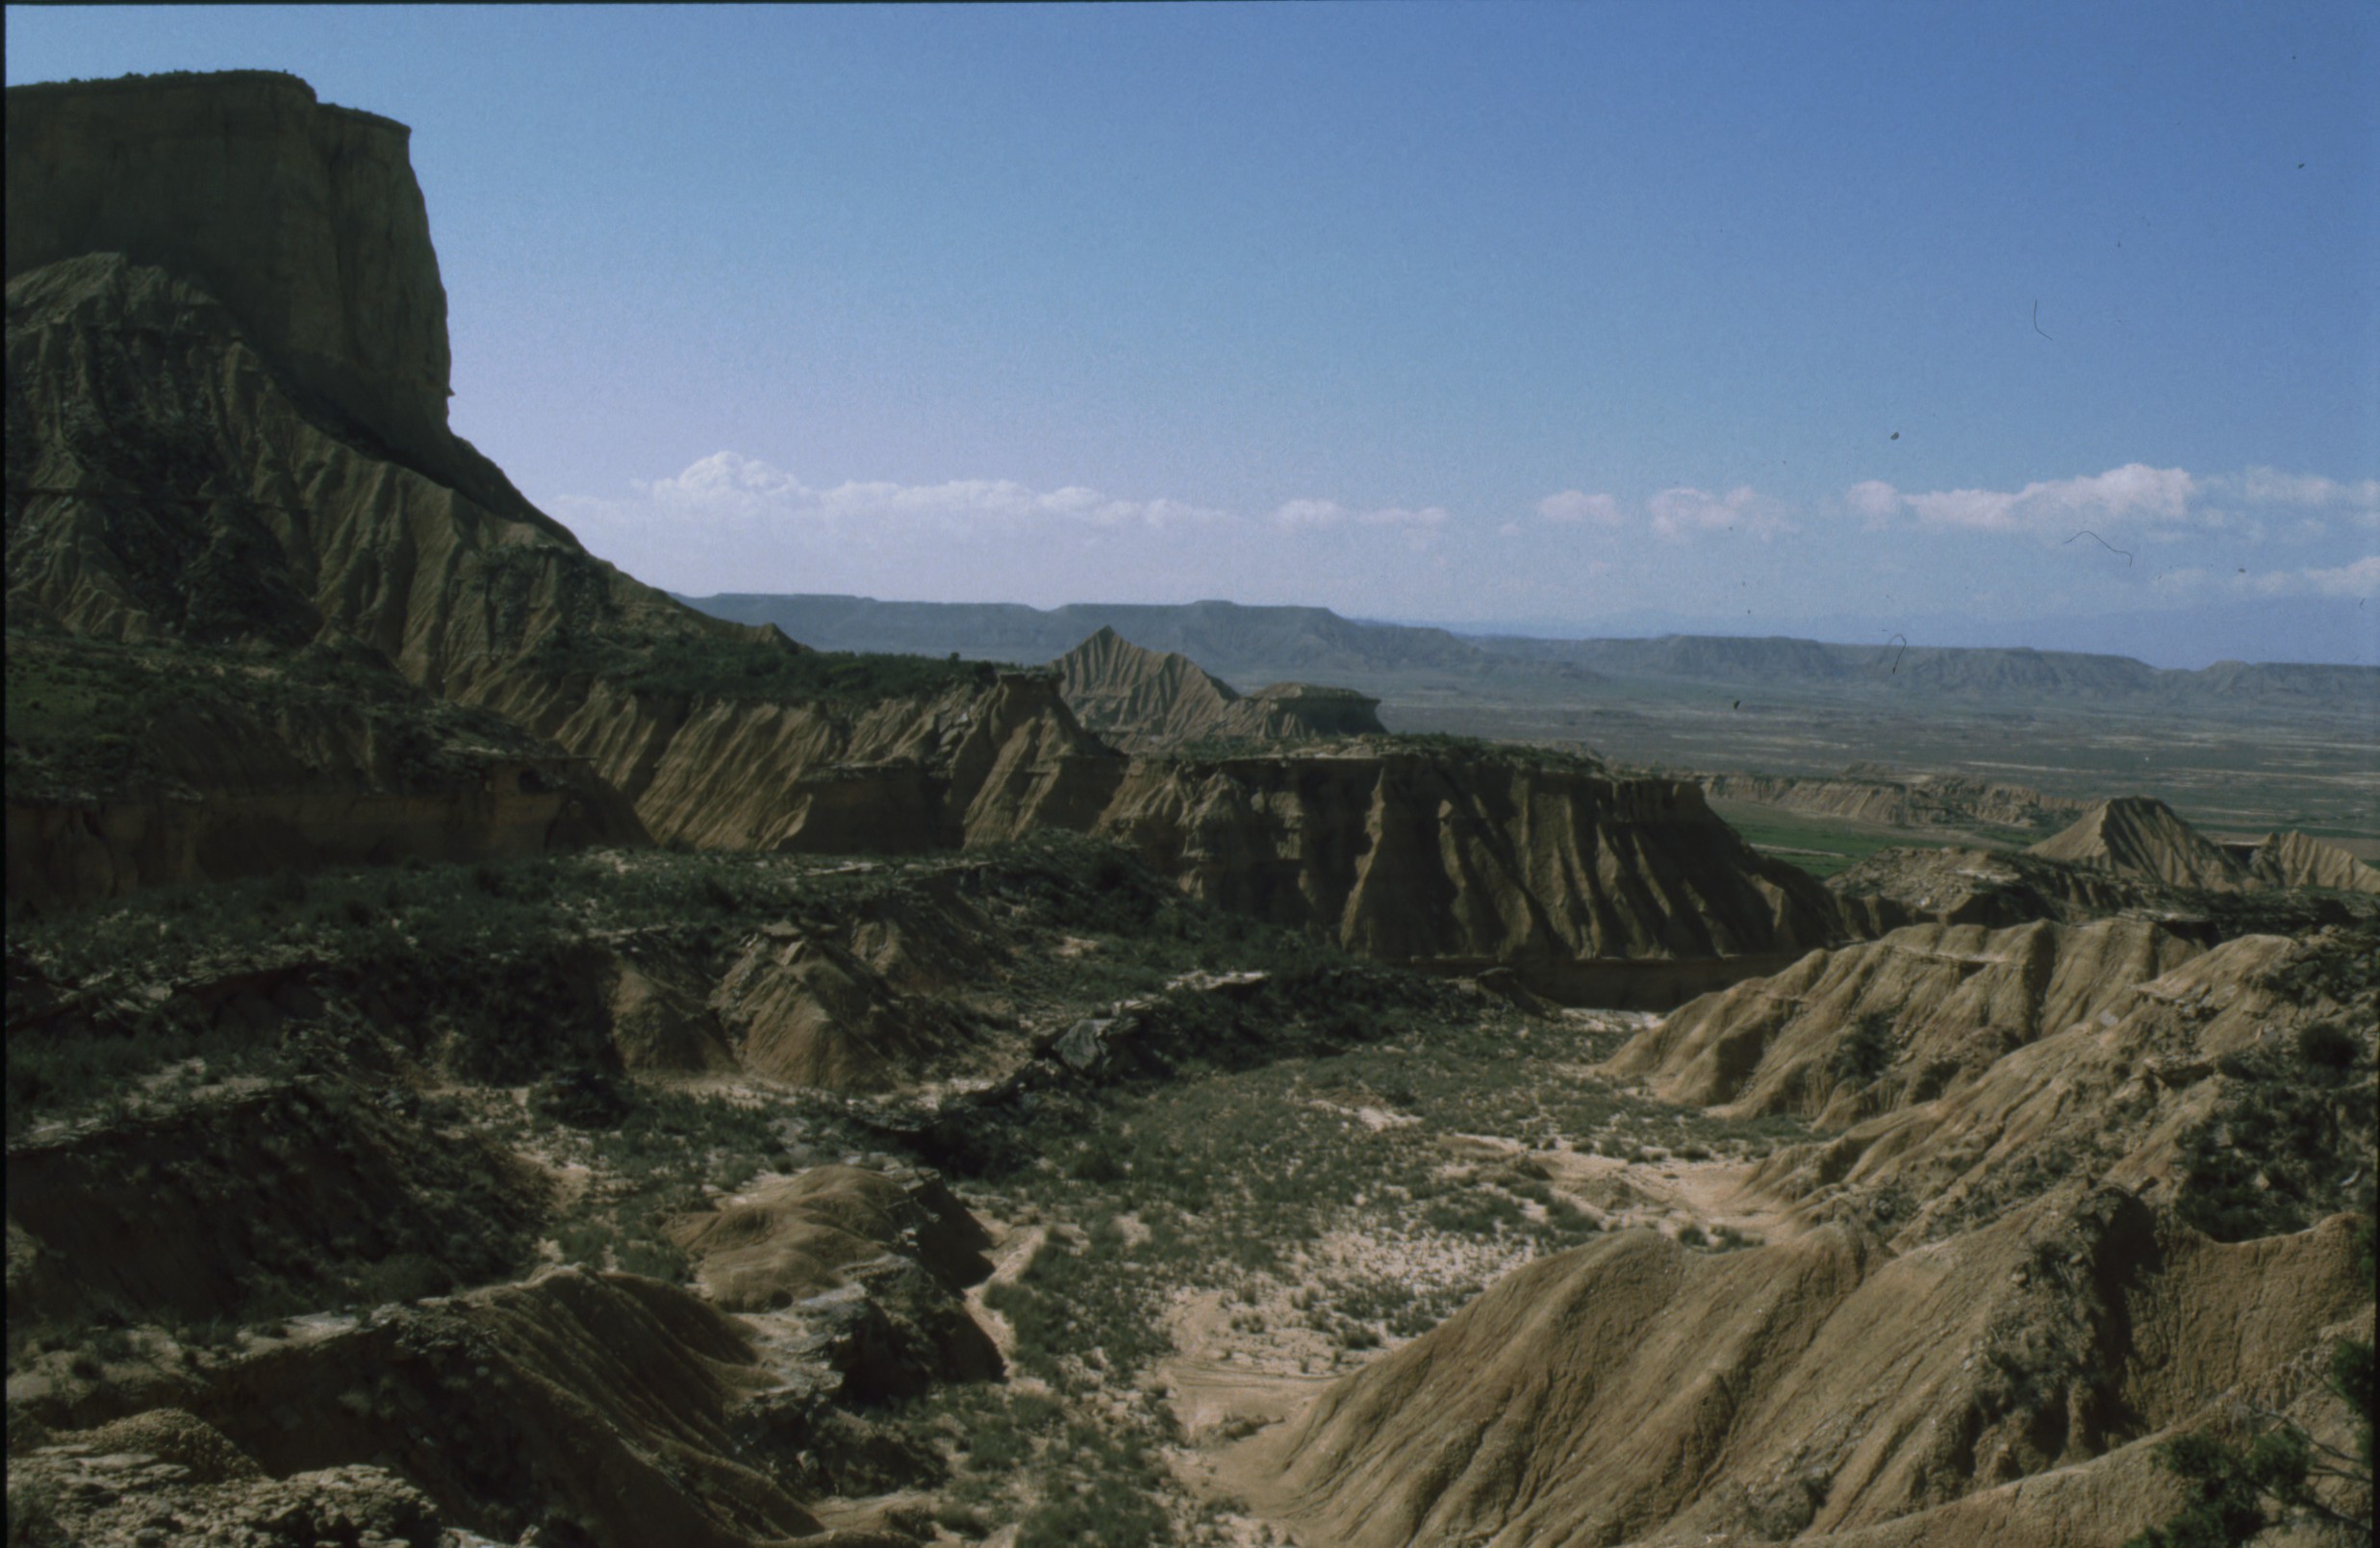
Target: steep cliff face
{"x":166,"y":480}
{"x":302,"y":218}
{"x":165,"y":484}
{"x":1412,"y":854}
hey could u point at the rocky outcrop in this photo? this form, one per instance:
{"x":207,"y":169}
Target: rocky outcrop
{"x":167,"y":479}
{"x":900,"y":775}
{"x":871,"y":1263}
{"x":1138,"y":699}
{"x":302,"y":218}
{"x":803,"y":1011}
{"x":2143,"y":837}
{"x":1423,"y":855}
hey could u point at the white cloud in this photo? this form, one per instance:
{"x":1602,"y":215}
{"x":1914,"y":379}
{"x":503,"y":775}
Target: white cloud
{"x":728,"y":486}
{"x":2271,"y":486}
{"x":1574,"y":505}
{"x":1875,"y":500}
{"x":2158,"y":502}
{"x":1332,"y":514}
{"x":1678,"y":514}
{"x":2132,"y":493}
{"x":2359,"y":578}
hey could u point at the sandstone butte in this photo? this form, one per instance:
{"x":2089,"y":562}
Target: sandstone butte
{"x":254,"y":315}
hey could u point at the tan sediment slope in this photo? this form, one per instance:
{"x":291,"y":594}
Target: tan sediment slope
{"x":1966,"y":1070}
{"x":1845,"y":1032}
{"x":1637,"y":1390}
{"x":1138,"y":698}
{"x":2140,"y":836}
{"x":2093,"y":1240}
{"x":2295,"y":860}
{"x":2170,"y":1093}
{"x":970,"y":765}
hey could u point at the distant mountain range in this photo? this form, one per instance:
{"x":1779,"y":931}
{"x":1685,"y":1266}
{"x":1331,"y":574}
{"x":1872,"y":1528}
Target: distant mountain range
{"x":1253,"y":644}
{"x":1262,"y":644}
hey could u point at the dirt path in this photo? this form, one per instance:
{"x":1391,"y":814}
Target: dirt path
{"x":1012,"y":1252}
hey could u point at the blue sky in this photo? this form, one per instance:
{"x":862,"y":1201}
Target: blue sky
{"x":1780,"y":319}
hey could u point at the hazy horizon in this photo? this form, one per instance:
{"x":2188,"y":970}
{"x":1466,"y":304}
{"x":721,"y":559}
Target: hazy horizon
{"x":2016,"y":324}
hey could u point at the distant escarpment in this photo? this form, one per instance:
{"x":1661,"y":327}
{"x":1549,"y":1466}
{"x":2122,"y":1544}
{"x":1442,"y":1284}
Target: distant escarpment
{"x":1139,"y":699}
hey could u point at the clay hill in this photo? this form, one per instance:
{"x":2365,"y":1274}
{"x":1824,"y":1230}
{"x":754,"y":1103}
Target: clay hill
{"x":2140,"y":836}
{"x":1137,"y":700}
{"x":2297,"y":860}
{"x":2082,"y":1187}
{"x":2131,"y":856}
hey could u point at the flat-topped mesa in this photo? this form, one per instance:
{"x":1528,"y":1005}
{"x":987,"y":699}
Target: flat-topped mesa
{"x":303,"y":218}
